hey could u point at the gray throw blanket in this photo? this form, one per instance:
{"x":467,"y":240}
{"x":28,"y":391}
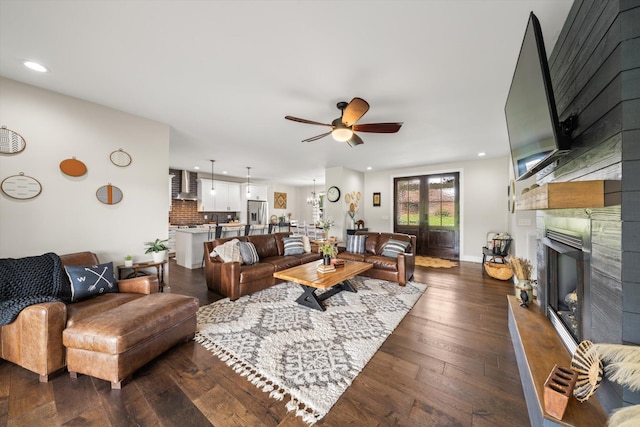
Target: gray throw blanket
{"x":28,"y":281}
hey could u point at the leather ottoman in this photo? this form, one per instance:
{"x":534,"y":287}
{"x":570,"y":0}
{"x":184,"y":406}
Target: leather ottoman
{"x":114,"y":344}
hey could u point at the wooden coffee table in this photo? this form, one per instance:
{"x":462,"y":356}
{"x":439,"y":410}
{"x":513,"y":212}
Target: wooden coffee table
{"x":308,"y":276}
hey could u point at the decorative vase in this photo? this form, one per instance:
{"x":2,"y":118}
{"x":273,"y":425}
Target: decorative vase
{"x":326,"y":260}
{"x":524,"y":285}
{"x":158,"y":256}
{"x":352,"y":223}
{"x":325,"y":234}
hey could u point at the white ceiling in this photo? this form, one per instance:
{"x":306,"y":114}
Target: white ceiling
{"x":223,"y":74}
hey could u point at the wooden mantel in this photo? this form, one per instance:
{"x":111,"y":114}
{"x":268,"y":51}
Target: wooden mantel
{"x":573,"y":194}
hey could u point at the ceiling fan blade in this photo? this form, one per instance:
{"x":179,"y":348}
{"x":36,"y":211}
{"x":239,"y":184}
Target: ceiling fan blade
{"x":313,"y":138}
{"x":354,"y":111}
{"x":378,"y":127}
{"x":355,"y":140}
{"x":310,"y":122}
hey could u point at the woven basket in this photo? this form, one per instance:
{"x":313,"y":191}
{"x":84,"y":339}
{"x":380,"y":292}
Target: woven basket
{"x":498,"y":270}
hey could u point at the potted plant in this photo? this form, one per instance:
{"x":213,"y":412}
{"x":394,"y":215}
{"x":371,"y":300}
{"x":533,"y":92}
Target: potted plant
{"x":328,"y":251}
{"x":158,"y":249}
{"x":128,"y":261}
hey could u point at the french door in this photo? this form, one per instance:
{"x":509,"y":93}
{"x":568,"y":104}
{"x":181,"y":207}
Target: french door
{"x":429,"y":207}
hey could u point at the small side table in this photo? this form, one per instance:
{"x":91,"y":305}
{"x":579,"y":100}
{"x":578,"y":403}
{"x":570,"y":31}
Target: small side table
{"x":159,"y":266}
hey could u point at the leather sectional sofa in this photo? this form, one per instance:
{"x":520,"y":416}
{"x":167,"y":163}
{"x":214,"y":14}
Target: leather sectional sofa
{"x":233,"y":279}
{"x":110,"y":334}
{"x":399,"y":270}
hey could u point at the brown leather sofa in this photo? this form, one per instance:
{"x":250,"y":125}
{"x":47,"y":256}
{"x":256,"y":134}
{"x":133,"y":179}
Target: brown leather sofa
{"x":398,"y":270}
{"x":34,"y":340}
{"x":233,"y":279}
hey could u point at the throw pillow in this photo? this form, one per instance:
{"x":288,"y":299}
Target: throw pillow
{"x":306,"y":243}
{"x":293,"y":245}
{"x":248,"y":253}
{"x":356,"y":243}
{"x":91,"y":280}
{"x":394,"y":247}
{"x":229,"y":251}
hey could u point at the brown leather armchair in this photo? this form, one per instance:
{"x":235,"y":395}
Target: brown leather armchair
{"x":34,"y":339}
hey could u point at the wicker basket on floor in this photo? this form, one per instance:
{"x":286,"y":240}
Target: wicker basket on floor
{"x":498,"y":270}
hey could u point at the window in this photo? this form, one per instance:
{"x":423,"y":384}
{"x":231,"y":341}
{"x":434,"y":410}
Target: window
{"x":408,"y":201}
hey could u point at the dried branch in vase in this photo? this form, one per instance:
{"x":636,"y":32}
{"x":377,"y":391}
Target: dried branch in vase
{"x":521,"y":267}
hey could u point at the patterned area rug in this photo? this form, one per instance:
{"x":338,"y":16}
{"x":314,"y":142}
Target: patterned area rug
{"x":426,"y":261}
{"x":312,"y":356}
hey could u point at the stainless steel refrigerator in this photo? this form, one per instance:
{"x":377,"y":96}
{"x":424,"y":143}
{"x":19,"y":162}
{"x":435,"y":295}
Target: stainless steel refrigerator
{"x":256,"y":212}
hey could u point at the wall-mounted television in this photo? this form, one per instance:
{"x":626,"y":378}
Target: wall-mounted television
{"x":536,"y":136}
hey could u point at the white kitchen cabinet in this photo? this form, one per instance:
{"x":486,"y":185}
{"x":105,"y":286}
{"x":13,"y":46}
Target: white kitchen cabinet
{"x":226,"y":199}
{"x":205,"y":199}
{"x":234,"y":199}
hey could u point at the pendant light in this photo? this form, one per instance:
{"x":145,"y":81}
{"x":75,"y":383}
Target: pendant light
{"x":248,"y":182}
{"x":313,"y":199}
{"x":213,"y":190}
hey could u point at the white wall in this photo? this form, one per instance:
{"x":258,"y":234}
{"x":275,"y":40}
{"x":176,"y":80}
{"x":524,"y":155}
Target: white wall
{"x":522,"y":227}
{"x":67,"y":217}
{"x":348,"y":181}
{"x":483,"y":200}
{"x":293,"y":199}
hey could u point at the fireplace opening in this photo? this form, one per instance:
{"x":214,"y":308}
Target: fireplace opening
{"x":565,"y":284}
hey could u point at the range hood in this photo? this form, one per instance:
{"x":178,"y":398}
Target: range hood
{"x":184,"y":193}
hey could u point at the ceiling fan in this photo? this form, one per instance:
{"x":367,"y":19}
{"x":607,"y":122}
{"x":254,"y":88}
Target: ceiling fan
{"x":343,"y":128}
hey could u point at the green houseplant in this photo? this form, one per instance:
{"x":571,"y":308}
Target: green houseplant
{"x":328,"y":251}
{"x":158,"y":249}
{"x":128,"y":261}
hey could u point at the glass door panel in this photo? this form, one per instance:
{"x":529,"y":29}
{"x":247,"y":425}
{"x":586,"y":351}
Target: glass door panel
{"x":428,"y":207}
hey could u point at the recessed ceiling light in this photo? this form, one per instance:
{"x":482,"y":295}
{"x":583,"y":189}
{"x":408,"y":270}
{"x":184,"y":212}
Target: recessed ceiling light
{"x":224,"y":172}
{"x":369,"y":168}
{"x":35,"y":66}
{"x":196,"y":167}
{"x":481,"y":154}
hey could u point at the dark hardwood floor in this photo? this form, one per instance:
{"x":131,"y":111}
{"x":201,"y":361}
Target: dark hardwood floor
{"x":450,"y":362}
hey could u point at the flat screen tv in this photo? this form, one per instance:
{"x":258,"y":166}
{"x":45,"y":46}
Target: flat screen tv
{"x":536,"y":136}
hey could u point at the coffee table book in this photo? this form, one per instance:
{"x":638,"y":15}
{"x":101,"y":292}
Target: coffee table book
{"x":326,"y":268}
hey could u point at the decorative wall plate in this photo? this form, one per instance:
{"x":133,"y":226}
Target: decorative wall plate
{"x":21,"y":187}
{"x":120,"y":158}
{"x":11,"y":142}
{"x":109,"y":194}
{"x":73,"y":167}
{"x":347,"y":198}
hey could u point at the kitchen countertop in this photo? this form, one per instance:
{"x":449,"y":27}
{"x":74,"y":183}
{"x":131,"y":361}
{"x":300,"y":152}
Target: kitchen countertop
{"x":204,"y":228}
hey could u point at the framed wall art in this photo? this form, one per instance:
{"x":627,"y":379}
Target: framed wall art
{"x":11,"y":142}
{"x":279,"y":200}
{"x":120,"y":158}
{"x":376,"y":199}
{"x":21,"y":187}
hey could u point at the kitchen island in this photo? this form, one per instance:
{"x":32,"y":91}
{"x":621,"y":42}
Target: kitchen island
{"x":190,"y":241}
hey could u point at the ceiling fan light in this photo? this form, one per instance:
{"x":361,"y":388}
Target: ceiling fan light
{"x":342,"y":134}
